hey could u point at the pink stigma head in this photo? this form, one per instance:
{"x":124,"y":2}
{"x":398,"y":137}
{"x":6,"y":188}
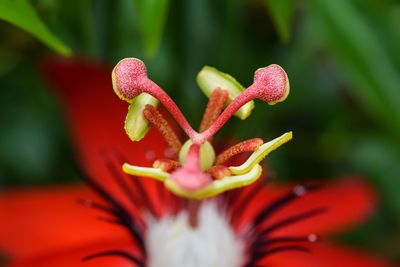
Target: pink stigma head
{"x":128,"y":77}
{"x":271,"y":84}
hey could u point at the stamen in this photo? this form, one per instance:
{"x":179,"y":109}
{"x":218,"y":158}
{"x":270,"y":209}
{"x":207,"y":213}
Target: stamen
{"x":166,"y":165}
{"x":219,"y":171}
{"x":214,"y":107}
{"x":209,"y":79}
{"x":229,"y":111}
{"x":130,"y":79}
{"x":158,"y":121}
{"x":245,"y":146}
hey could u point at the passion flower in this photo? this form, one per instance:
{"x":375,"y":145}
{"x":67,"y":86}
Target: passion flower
{"x":199,"y":174}
{"x":125,"y":221}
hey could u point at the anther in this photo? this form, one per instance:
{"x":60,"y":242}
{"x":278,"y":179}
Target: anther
{"x":214,"y":107}
{"x":210,"y":78}
{"x":166,"y":165}
{"x":245,"y":146}
{"x":158,"y":121}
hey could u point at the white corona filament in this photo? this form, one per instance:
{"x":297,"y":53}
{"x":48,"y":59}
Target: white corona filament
{"x":172,"y":242}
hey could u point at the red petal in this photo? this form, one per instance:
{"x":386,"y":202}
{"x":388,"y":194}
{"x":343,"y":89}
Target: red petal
{"x":323,"y":256}
{"x":96,"y":117}
{"x":348,"y":202}
{"x":33,"y":221}
{"x":95,"y":113}
{"x":72,"y":257}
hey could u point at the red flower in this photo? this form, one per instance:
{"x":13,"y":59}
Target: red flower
{"x":277,"y":225}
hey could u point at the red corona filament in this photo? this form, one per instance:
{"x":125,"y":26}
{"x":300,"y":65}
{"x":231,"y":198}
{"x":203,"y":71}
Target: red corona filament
{"x":158,"y":121}
{"x":245,"y":146}
{"x":214,"y":107}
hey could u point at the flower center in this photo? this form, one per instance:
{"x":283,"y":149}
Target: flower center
{"x":206,"y":154}
{"x":199,"y":173}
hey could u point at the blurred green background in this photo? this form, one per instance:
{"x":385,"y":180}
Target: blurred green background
{"x":342,"y":58}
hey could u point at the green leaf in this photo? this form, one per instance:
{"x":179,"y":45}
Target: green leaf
{"x":152,"y":15}
{"x":21,"y":14}
{"x":379,"y":161}
{"x":281,"y":12}
{"x":361,"y":59}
